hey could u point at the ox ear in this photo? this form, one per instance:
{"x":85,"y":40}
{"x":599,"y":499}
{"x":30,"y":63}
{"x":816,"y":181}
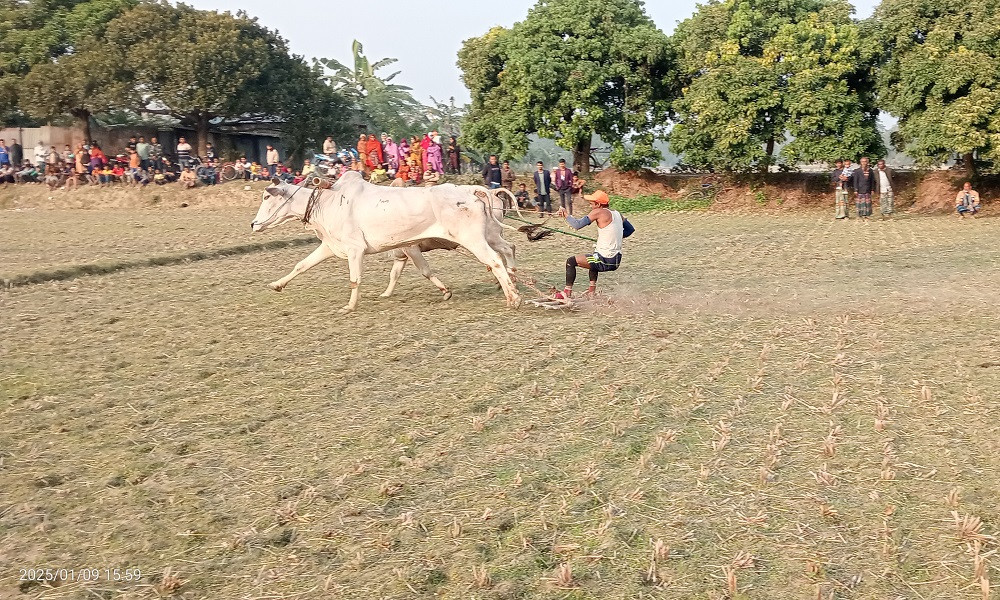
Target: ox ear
{"x":273,"y":190}
{"x":275,"y":181}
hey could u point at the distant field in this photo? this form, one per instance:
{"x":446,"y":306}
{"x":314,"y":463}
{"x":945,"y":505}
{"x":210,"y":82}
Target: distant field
{"x":763,"y":407}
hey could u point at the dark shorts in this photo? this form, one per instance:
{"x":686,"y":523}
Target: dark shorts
{"x":601,"y":264}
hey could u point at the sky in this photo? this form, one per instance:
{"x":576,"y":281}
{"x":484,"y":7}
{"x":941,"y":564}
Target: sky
{"x":425,"y":37}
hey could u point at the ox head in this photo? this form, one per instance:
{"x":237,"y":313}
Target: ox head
{"x":279,"y":203}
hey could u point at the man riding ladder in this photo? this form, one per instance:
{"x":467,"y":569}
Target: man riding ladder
{"x":607,"y":256}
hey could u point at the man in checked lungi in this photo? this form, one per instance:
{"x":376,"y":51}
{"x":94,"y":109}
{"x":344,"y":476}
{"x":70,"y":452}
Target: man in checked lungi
{"x":886,"y":193}
{"x":865,"y":183}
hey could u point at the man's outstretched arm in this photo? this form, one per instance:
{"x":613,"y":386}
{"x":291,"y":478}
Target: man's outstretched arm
{"x":578,"y":223}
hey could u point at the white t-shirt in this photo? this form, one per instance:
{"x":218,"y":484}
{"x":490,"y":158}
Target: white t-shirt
{"x":883,"y":182}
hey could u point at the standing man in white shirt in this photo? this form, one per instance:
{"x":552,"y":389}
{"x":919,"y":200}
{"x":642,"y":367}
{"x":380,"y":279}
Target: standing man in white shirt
{"x":887,"y":195}
{"x":41,"y":153}
{"x":272,"y":160}
{"x":183,"y":153}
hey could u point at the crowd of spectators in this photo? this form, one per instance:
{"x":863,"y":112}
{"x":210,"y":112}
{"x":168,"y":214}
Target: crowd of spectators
{"x":139,"y":163}
{"x":560,"y":182}
{"x":413,"y":161}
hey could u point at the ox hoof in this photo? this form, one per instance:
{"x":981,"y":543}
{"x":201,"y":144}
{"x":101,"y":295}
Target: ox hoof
{"x":274,"y":285}
{"x":515,"y":302}
{"x":384,"y":295}
{"x":447,"y":295}
{"x":345,"y":310}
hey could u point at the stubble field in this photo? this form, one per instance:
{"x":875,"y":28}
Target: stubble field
{"x":760,"y":407}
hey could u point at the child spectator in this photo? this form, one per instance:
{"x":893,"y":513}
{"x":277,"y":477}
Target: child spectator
{"x":159,"y":178}
{"x":52,"y":176}
{"x":69,"y":176}
{"x":188,"y":179}
{"x":522,"y":196}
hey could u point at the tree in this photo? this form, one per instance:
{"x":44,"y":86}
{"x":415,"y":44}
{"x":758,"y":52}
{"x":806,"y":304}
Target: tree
{"x":39,"y":32}
{"x":758,"y":72}
{"x":315,"y":111}
{"x":445,"y":117}
{"x":200,"y":66}
{"x":571,"y":69}
{"x":91,"y":80}
{"x":384,"y":105}
{"x":940,"y":77}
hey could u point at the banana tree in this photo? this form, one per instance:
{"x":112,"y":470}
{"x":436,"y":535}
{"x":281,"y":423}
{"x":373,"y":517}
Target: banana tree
{"x":385,"y":105}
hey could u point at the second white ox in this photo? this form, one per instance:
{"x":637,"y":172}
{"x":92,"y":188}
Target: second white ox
{"x":354,"y":218}
{"x":415,"y":255}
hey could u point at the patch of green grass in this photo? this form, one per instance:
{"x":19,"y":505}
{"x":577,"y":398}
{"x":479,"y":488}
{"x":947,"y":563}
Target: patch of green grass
{"x":648,"y":203}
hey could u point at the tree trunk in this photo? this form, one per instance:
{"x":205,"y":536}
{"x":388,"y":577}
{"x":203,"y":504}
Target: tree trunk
{"x":769,"y":150}
{"x":83,"y":115}
{"x":970,"y":163}
{"x":581,"y":157}
{"x":202,"y":133}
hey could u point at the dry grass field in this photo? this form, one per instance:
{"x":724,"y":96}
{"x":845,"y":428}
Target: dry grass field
{"x":761,"y":407}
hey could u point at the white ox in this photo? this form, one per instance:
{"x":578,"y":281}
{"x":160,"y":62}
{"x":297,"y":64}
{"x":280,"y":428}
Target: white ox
{"x":415,"y":253}
{"x":354,"y":218}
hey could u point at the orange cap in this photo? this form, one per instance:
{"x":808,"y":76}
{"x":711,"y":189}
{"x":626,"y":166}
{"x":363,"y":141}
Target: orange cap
{"x":599,"y":197}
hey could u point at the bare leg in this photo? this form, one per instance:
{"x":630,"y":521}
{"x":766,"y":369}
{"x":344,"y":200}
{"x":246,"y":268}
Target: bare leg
{"x":398,"y":263}
{"x":425,"y":269}
{"x":317,"y":256}
{"x":355,"y":263}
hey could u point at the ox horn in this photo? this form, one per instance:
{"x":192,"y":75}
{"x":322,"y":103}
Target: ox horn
{"x":320,"y":182}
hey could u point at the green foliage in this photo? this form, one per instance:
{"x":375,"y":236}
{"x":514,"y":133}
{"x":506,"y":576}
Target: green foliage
{"x":570,"y":69}
{"x":941,"y":77}
{"x":642,"y":154}
{"x":649,"y":203}
{"x":314,"y":111}
{"x":38,"y":32}
{"x":383,"y":105}
{"x":757,"y":71}
{"x":90,"y":80}
{"x":202,"y":65}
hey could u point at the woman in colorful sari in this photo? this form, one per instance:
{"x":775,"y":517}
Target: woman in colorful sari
{"x":403,"y":152}
{"x":425,"y":144}
{"x":415,"y":150}
{"x":454,"y":156}
{"x":390,"y":154}
{"x":434,"y":157}
{"x":362,"y":151}
{"x":375,"y":156}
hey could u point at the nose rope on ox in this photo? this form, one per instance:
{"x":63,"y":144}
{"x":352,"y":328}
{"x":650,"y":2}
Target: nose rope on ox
{"x":310,"y":205}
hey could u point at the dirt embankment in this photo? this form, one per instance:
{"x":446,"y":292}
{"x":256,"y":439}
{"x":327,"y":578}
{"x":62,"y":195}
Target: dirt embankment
{"x":170,"y":196}
{"x":925,"y":192}
{"x":929,"y":192}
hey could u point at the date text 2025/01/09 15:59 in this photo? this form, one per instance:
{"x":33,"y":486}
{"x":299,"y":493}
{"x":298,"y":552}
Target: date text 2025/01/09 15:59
{"x":84,"y":574}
